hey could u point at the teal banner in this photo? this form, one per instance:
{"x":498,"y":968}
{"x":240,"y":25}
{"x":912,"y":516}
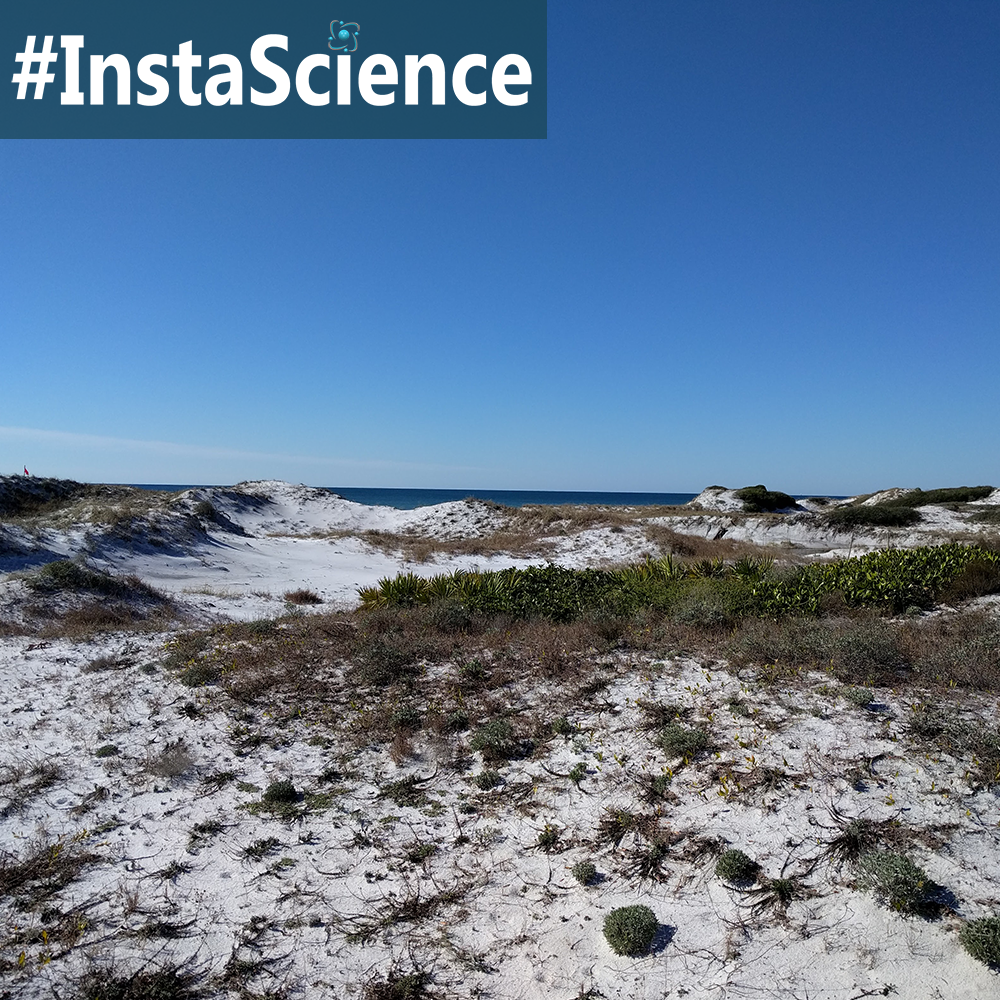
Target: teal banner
{"x":357,"y":69}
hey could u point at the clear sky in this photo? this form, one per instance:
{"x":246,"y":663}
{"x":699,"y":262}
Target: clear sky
{"x":761,"y":244}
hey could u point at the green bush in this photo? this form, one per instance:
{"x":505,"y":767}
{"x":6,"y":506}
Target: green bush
{"x":495,"y":740}
{"x":548,"y":838}
{"x":954,"y":494}
{"x":712,"y":594}
{"x":280,"y":793}
{"x":876,"y":516}
{"x":862,"y":697}
{"x":584,"y":872}
{"x":682,"y":741}
{"x":894,"y":879}
{"x":630,"y":929}
{"x":761,"y":500}
{"x":736,"y":867}
{"x":981,"y":939}
{"x":487,"y":779}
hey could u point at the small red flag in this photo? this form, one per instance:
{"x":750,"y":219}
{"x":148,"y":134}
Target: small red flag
{"x":26,"y":471}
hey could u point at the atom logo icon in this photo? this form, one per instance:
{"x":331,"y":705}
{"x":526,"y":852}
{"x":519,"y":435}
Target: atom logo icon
{"x":345,"y":35}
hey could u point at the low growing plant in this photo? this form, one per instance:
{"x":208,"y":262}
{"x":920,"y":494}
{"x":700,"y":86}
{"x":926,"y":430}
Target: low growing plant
{"x":736,"y":867}
{"x":584,"y":872}
{"x":630,"y":930}
{"x":894,"y":879}
{"x":981,"y":939}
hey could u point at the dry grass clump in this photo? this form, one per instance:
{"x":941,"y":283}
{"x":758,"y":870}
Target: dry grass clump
{"x":166,"y":983}
{"x":397,"y":985}
{"x":41,"y":871}
{"x":302,"y":596}
{"x":23,"y":780}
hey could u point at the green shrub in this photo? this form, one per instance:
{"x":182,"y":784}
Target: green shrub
{"x":894,"y":879}
{"x":280,"y":793}
{"x":954,"y":494}
{"x":495,"y":740}
{"x":487,"y":779}
{"x":876,"y":516}
{"x":548,"y":838}
{"x":584,"y":872}
{"x":981,"y":939}
{"x":761,"y":500}
{"x":630,"y":929}
{"x":108,"y":750}
{"x":561,"y":726}
{"x":862,"y":697}
{"x":736,"y":867}
{"x":682,"y":741}
{"x":200,"y":672}
{"x":708,"y":594}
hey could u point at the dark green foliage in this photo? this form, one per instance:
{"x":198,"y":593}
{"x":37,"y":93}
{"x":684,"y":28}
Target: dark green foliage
{"x":108,"y":750}
{"x":405,"y":792}
{"x":712,"y":594}
{"x":495,"y":740}
{"x":860,"y":836}
{"x":406,"y":718}
{"x":876,"y":516}
{"x":280,"y":793}
{"x":561,"y":726}
{"x":200,"y":672}
{"x":487,"y":779}
{"x":955,"y":494}
{"x":682,"y":741}
{"x":420,"y":852}
{"x":736,"y":867}
{"x":584,"y":872}
{"x":630,"y":929}
{"x":981,"y":939}
{"x":548,"y":838}
{"x":894,"y":879}
{"x":761,"y":500}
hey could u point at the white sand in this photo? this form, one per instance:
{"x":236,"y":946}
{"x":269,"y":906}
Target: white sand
{"x":523,"y":928}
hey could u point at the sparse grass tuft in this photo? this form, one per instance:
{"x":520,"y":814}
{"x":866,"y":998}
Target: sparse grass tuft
{"x":397,"y":986}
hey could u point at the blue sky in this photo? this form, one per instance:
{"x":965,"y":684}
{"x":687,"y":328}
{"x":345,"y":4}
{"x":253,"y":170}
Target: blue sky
{"x":761,"y":244}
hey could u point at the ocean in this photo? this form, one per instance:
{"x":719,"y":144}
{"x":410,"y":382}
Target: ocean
{"x":408,"y":499}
